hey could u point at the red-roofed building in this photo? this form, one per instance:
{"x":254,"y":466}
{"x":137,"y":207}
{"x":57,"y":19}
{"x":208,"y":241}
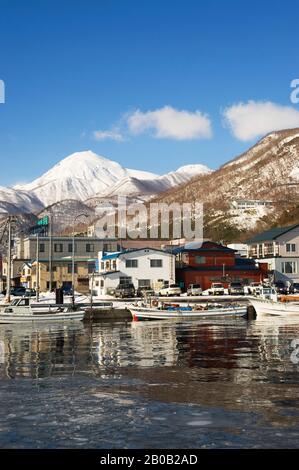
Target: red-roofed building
{"x":212,"y":262}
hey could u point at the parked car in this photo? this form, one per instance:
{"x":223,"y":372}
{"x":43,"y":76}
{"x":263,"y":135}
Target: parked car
{"x":281,"y":287}
{"x":172,"y":289}
{"x":18,"y":291}
{"x":30,"y":293}
{"x":294,"y":288}
{"x":216,"y":288}
{"x":194,"y":289}
{"x":67,"y":290}
{"x":145,"y":291}
{"x":124,"y":290}
{"x":235,"y":288}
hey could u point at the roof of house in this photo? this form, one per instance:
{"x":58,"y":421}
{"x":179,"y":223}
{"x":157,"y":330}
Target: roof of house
{"x":133,"y":250}
{"x":206,"y":246}
{"x":271,"y":234}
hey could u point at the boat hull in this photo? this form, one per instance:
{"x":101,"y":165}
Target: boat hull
{"x":39,"y":317}
{"x":143,"y":313}
{"x":269,"y":307}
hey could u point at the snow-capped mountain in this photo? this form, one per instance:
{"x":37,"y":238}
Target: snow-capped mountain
{"x":84,"y":175}
{"x":13,"y":201}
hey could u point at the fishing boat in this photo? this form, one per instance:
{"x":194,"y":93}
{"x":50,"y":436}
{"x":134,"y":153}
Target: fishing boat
{"x":268,"y":303}
{"x":178,"y":312}
{"x":20,"y":311}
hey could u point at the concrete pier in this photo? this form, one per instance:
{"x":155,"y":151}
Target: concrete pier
{"x":110,"y":314}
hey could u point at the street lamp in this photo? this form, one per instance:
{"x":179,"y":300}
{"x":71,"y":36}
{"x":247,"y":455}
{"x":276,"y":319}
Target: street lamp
{"x":73,"y":255}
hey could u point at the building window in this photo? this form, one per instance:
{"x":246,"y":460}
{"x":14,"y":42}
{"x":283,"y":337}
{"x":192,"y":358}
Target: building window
{"x":289,"y":267}
{"x":70,"y":248}
{"x":53,"y":268}
{"x":156,"y":263}
{"x":42,"y":247}
{"x":89,"y":248}
{"x":107,"y":247}
{"x":125,"y":280}
{"x":200,"y":259}
{"x":131,"y":263}
{"x":144,"y":283}
{"x":70,"y":268}
{"x":102,"y":265}
{"x":114,"y":265}
{"x":91,"y":268}
{"x":58,"y":247}
{"x":291,"y":247}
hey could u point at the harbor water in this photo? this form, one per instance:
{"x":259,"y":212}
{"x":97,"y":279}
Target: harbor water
{"x":229,"y":383}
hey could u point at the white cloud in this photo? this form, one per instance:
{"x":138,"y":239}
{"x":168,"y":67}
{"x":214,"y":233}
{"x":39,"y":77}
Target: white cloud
{"x":168,"y":122}
{"x":253,"y":119}
{"x":108,"y":134}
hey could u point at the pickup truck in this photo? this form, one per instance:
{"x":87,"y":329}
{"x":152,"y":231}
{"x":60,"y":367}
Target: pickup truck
{"x":173,"y":289}
{"x":216,"y":289}
{"x":194,"y":289}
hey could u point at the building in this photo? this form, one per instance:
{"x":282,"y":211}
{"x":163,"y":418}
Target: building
{"x":240,"y":248}
{"x":212,"y":262}
{"x":144,"y":267}
{"x":25,"y":248}
{"x":247,"y":204}
{"x":279,"y":247}
{"x":61,"y":275}
{"x":86,"y":256}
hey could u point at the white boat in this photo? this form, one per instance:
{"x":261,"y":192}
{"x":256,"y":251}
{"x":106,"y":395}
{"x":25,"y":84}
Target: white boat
{"x":269,"y":304}
{"x":149,"y":313}
{"x":20,"y":311}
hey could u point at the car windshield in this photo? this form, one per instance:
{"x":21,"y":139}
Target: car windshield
{"x":217,"y":285}
{"x":174,"y":285}
{"x":236,"y":284}
{"x":196,"y":286}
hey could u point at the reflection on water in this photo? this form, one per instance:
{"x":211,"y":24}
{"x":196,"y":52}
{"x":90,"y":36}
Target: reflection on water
{"x":233,"y":381}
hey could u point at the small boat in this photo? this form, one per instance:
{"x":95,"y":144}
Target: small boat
{"x":20,"y":311}
{"x":268,"y":303}
{"x":178,"y":312}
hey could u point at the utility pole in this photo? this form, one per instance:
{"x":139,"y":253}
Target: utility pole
{"x":8,"y":275}
{"x":50,"y":252}
{"x":37,"y":266}
{"x":73,"y":256}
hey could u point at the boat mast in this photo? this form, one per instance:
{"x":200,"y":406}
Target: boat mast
{"x":8,"y":276}
{"x":50,"y":252}
{"x":37,"y":266}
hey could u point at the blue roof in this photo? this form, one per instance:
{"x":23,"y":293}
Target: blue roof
{"x":112,"y":255}
{"x":271,"y":234}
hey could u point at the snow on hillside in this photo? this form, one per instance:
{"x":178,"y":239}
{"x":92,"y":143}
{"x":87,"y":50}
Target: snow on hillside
{"x":22,"y":201}
{"x":84,"y":175}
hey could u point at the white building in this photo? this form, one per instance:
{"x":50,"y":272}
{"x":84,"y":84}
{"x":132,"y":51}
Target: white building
{"x":279,"y":247}
{"x":141,"y":267}
{"x":240,"y":248}
{"x":246,"y":204}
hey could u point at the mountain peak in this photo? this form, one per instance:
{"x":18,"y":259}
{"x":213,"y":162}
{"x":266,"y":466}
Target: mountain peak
{"x":83,"y":175}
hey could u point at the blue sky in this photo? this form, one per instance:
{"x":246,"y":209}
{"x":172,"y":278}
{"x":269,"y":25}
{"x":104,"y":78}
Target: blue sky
{"x":72,"y":68}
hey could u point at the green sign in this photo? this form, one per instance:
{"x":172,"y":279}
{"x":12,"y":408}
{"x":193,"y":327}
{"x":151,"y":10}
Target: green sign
{"x":43,"y":221}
